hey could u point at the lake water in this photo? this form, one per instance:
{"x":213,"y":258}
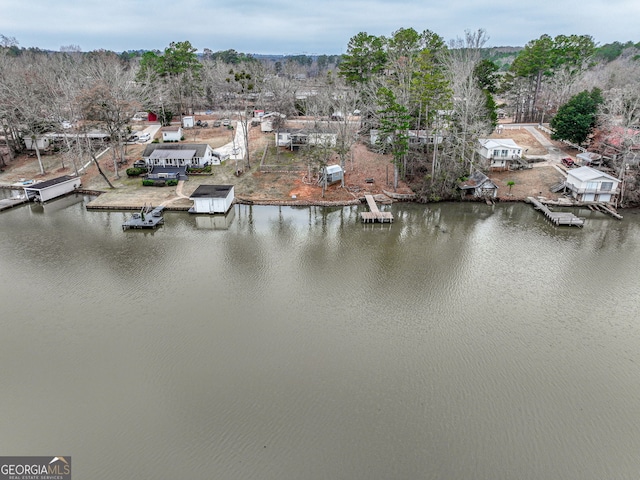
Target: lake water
{"x":462,"y":341}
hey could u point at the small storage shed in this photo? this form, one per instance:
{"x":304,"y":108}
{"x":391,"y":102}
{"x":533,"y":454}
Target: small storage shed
{"x":50,"y":189}
{"x":42,"y":142}
{"x":171,"y":134}
{"x":212,"y":199}
{"x":333,"y":173}
{"x":187,"y":122}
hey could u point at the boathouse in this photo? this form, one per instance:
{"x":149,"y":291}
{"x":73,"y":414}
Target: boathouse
{"x":478,"y":185}
{"x":212,"y":199}
{"x":50,"y":189}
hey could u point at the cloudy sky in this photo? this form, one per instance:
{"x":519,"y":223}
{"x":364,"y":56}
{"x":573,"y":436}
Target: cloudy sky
{"x":302,"y":26}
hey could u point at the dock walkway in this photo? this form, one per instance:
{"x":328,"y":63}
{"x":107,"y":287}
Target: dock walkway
{"x":7,"y":203}
{"x":375,"y":215}
{"x":557,"y":218}
{"x":145,"y":219}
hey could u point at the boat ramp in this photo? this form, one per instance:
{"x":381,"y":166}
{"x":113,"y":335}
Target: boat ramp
{"x":374,"y":214}
{"x":557,"y":218}
{"x":147,"y":219}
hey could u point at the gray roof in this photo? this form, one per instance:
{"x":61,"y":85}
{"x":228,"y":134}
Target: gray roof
{"x":585,"y":174}
{"x":200,"y":148}
{"x":163,"y":153}
{"x":212,"y":191}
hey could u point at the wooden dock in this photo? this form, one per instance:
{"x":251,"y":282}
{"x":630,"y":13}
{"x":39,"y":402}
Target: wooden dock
{"x":557,"y":218}
{"x":147,"y":218}
{"x":7,"y":203}
{"x":374,"y":214}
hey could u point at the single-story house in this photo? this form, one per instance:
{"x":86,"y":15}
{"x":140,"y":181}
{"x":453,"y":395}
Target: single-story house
{"x":41,"y":141}
{"x":177,"y":155}
{"x":587,"y":184}
{"x":293,"y":139}
{"x":50,"y":189}
{"x":171,"y":134}
{"x":479,"y":185}
{"x":212,"y":199}
{"x":498,"y":153}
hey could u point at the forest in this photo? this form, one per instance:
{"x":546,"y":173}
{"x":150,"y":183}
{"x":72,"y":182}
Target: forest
{"x":406,"y":82}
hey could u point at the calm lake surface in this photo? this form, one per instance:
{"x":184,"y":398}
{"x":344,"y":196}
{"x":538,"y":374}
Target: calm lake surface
{"x":462,"y":342}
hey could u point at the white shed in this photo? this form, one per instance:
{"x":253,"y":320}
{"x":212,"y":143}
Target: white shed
{"x":212,"y":199}
{"x":50,"y":189}
{"x":41,"y":141}
{"x":332,"y":173}
{"x":171,"y":134}
{"x":187,"y":122}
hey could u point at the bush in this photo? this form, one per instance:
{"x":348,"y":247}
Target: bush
{"x":135,"y":171}
{"x":172,"y":183}
{"x":153,"y":183}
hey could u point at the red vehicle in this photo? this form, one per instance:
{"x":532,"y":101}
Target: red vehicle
{"x":568,"y":162}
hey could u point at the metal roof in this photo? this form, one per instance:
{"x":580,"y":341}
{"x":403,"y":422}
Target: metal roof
{"x":172,"y":154}
{"x":49,"y":183}
{"x":585,"y":174}
{"x":212,"y":191}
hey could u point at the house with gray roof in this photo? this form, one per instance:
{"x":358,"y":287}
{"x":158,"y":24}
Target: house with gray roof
{"x":587,"y":184}
{"x":180,"y":155}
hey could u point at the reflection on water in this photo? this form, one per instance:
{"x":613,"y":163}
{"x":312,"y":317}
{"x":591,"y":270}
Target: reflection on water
{"x":462,"y":341}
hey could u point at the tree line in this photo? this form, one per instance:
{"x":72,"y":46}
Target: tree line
{"x":428,"y":100}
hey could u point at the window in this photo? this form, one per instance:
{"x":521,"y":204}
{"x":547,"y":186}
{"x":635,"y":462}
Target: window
{"x":606,"y":186}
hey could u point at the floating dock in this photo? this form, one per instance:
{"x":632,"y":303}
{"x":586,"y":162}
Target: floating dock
{"x":375,"y":215}
{"x":147,"y":219}
{"x":557,"y":218}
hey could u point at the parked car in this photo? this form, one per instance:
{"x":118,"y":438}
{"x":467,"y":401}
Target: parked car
{"x":204,"y":124}
{"x":132,"y":139}
{"x":144,"y":137}
{"x":226,"y":122}
{"x":568,"y":162}
{"x":217,"y":123}
{"x":198,"y":123}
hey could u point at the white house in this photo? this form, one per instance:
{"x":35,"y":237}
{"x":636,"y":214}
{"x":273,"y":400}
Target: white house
{"x":293,"y":139}
{"x":212,"y":199}
{"x":50,"y":189}
{"x":178,"y":155}
{"x":171,"y":134}
{"x":498,"y":153}
{"x":587,"y":184}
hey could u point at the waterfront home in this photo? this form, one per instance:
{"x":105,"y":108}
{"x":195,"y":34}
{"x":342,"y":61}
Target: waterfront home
{"x":179,"y":155}
{"x":498,"y":153}
{"x":587,"y":184}
{"x":212,"y":199}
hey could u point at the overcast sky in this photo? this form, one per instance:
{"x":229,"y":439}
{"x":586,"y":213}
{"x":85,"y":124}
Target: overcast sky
{"x":302,"y":26}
